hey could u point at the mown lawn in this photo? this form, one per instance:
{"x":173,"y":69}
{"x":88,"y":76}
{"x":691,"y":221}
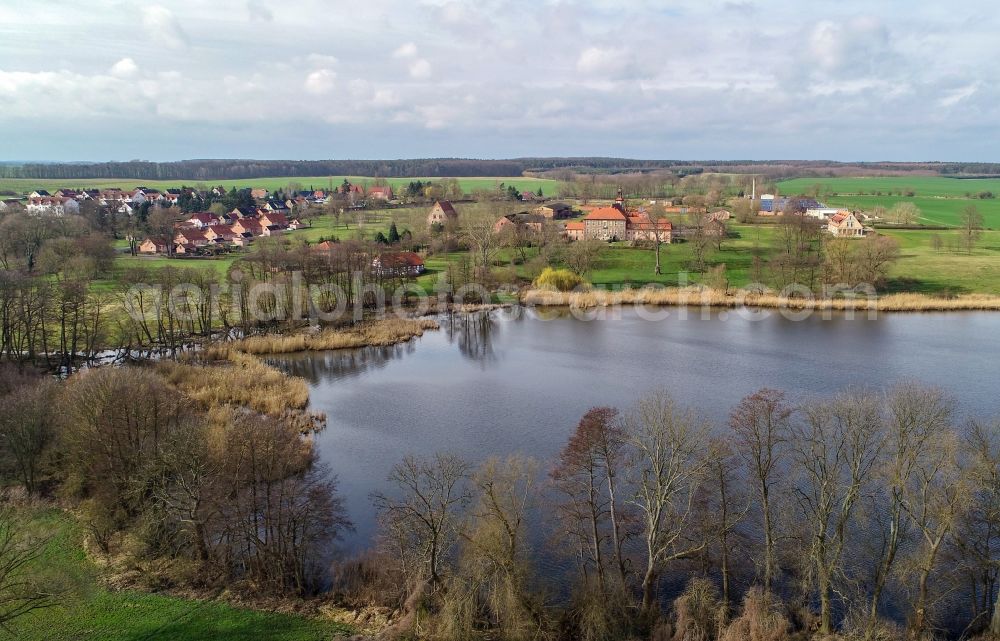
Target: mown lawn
{"x":89,"y":611}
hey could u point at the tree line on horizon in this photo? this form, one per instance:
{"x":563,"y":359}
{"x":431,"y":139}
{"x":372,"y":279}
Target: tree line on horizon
{"x":230,"y":169}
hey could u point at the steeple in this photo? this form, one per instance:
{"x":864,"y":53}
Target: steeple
{"x":620,"y":201}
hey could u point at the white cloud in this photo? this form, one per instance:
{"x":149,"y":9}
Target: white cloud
{"x":257,"y":11}
{"x":408,"y":50}
{"x":710,"y":75}
{"x":124,"y":68}
{"x":320,"y":82}
{"x":321,"y":60}
{"x":420,"y":69}
{"x":163,"y":27}
{"x":958,"y":95}
{"x":603,"y":61}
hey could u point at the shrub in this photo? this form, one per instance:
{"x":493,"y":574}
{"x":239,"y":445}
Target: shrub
{"x":562,"y":280}
{"x":760,"y":620}
{"x":699,"y":611}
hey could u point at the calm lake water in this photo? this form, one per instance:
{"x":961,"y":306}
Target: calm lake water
{"x":486,"y":384}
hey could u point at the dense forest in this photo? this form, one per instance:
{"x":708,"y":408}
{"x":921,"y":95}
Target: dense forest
{"x":460,"y":167}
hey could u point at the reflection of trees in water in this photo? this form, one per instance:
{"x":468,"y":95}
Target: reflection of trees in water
{"x":474,"y":334}
{"x":317,"y":367}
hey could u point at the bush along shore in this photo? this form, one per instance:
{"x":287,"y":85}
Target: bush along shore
{"x":708,"y":297}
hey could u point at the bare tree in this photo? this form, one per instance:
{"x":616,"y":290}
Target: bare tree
{"x":431,"y":496}
{"x":485,"y":243}
{"x":836,"y":446}
{"x":761,"y":423}
{"x":667,"y":446}
{"x":914,"y":416}
{"x":586,"y":475}
{"x":730,"y":508}
{"x":972,"y":227}
{"x":933,"y":500}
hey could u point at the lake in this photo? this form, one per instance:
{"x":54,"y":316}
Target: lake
{"x":487,"y":384}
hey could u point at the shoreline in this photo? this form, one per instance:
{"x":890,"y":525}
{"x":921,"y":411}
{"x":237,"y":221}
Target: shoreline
{"x":712,"y":298}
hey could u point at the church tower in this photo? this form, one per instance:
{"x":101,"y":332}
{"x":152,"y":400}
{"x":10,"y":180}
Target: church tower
{"x":620,"y":201}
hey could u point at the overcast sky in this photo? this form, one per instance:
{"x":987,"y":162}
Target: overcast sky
{"x":312,"y":79}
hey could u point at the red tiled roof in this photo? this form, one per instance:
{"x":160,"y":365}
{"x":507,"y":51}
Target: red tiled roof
{"x":605,"y":213}
{"x":575,"y":226}
{"x":447,"y":207}
{"x":400,"y":259}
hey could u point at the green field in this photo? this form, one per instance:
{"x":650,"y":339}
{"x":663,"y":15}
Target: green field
{"x":921,"y":268}
{"x":921,"y":185}
{"x":27,"y":185}
{"x":941,"y":200}
{"x":89,"y":611}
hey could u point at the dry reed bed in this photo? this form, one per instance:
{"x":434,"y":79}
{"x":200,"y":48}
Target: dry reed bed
{"x":239,"y":379}
{"x":377,"y":333}
{"x":696,"y":297}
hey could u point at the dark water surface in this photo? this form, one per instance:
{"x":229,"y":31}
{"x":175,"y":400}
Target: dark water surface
{"x":487,"y":385}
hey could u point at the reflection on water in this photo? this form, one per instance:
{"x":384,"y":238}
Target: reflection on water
{"x":490,"y":384}
{"x":473,"y":333}
{"x":327,"y":367}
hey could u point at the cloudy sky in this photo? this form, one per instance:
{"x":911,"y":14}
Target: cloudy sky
{"x":694,"y":79}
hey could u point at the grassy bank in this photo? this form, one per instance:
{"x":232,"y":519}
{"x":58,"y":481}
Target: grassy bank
{"x":90,"y":610}
{"x":704,"y":297}
{"x":376,"y":333}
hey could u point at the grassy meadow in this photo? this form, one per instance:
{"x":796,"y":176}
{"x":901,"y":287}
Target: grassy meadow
{"x":921,"y":268}
{"x":941,"y":200}
{"x":88,"y":610}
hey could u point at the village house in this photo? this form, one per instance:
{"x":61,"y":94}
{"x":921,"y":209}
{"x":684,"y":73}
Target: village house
{"x":54,"y":205}
{"x":619,"y":223}
{"x":203,"y":219}
{"x":271,"y":219}
{"x":398,"y":264}
{"x":259,"y":193}
{"x":639,"y":227}
{"x":575,"y":230}
{"x":191,"y":237}
{"x":39,"y":193}
{"x":220,"y":233}
{"x":846,"y":225}
{"x":143,"y":194}
{"x":554,"y":211}
{"x":605,"y":223}
{"x":11,"y":204}
{"x":242,"y":212}
{"x":442,"y":212}
{"x":275,"y":206}
{"x":250,"y":226}
{"x":532,"y":222}
{"x":150,"y":246}
{"x":380,"y":193}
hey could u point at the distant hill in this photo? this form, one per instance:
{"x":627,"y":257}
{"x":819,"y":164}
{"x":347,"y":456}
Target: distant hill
{"x":207,"y":170}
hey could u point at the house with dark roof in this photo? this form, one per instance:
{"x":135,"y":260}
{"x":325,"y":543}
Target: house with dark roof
{"x":522,"y":220}
{"x":555,"y":211}
{"x":398,"y":264}
{"x":442,"y":212}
